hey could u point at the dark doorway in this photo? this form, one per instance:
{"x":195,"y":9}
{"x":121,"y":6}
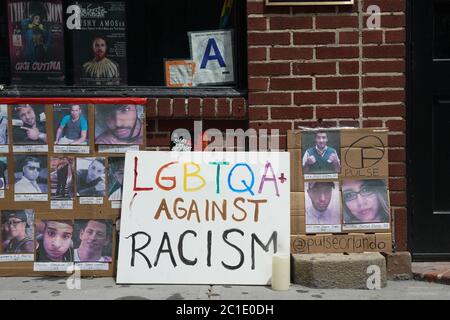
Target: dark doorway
{"x":429,"y":130}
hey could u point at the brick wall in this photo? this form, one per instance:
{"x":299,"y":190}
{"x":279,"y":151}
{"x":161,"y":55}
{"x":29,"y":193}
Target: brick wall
{"x":322,"y":66}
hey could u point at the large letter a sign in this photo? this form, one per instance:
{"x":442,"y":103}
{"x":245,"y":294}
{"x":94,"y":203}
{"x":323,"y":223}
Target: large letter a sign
{"x":212,"y":51}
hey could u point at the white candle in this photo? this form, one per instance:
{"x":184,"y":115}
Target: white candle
{"x":281,"y":271}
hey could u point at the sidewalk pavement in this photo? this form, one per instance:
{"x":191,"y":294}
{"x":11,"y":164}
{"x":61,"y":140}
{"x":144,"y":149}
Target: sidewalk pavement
{"x":432,"y":271}
{"x":106,"y":289}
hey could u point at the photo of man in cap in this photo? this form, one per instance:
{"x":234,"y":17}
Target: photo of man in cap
{"x":29,"y":125}
{"x":17,"y":233}
{"x":119,"y":124}
{"x":322,"y":203}
{"x":54,"y":241}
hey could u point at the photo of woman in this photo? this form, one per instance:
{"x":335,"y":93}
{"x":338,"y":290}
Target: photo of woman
{"x":365,"y":201}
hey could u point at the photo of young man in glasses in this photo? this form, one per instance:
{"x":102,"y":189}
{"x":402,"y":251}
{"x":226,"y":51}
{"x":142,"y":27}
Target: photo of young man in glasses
{"x":31,"y":176}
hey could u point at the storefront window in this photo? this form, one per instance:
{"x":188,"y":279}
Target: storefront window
{"x":153,"y":32}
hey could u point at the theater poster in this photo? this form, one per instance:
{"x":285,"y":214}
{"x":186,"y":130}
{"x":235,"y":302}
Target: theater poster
{"x":36,"y":37}
{"x":100,"y":55}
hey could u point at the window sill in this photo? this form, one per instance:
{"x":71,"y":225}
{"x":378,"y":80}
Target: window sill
{"x":128,"y":91}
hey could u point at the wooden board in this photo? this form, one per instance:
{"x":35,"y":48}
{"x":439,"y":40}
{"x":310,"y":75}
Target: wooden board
{"x":43,"y":210}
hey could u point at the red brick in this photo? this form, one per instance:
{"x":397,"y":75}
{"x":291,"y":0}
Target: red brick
{"x":257,"y":54}
{"x":258,"y":84}
{"x":269,"y":69}
{"x":396,"y":155}
{"x":397,"y":140}
{"x":384,"y":96}
{"x":348,"y":123}
{"x":401,"y":226}
{"x":238,"y":109}
{"x":384,"y":51}
{"x":179,"y":107}
{"x":348,"y":97}
{"x":151,"y":110}
{"x":384,"y":111}
{"x":337,"y":112}
{"x":397,"y":169}
{"x":165,"y":107}
{"x":337,"y":83}
{"x":349,"y":67}
{"x":397,"y":198}
{"x":291,"y":113}
{"x":372,"y":36}
{"x":151,"y":125}
{"x":268,"y":38}
{"x":336,"y":22}
{"x":315,"y":124}
{"x":313,"y":68}
{"x":283,"y":127}
{"x":194,"y":107}
{"x":393,"y":21}
{"x":269,"y":98}
{"x":256,"y":24}
{"x":260,"y":8}
{"x":291,"y":84}
{"x":316,"y":38}
{"x":372,"y":123}
{"x":337,"y":52}
{"x":314,"y":9}
{"x":384,"y":82}
{"x":397,"y":184}
{"x":302,"y":98}
{"x":258,"y":113}
{"x":223,"y":108}
{"x":171,"y":124}
{"x":291,"y":53}
{"x":383,"y":66}
{"x":159,"y":139}
{"x":349,"y":37}
{"x":295,"y":23}
{"x":209,"y":107}
{"x":396,"y":125}
{"x":397,"y":36}
{"x":386,"y":5}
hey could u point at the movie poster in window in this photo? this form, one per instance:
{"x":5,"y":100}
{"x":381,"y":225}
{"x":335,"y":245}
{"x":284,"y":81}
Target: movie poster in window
{"x":100,"y":55}
{"x":36,"y":38}
{"x":4,"y":62}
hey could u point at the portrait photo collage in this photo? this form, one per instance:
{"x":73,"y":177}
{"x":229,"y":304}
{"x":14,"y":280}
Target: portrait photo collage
{"x":61,"y":177}
{"x":343,"y":181}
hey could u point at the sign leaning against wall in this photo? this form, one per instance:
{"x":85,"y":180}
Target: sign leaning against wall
{"x":203,"y":218}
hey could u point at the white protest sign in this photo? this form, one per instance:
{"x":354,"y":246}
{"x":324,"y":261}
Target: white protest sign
{"x":203,"y":217}
{"x":212,"y":52}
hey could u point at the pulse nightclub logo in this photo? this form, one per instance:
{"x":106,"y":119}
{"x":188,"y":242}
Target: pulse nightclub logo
{"x":363,"y":156}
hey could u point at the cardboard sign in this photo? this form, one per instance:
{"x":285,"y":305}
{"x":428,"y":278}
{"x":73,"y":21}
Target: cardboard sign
{"x":212,"y":52}
{"x":203,"y":217}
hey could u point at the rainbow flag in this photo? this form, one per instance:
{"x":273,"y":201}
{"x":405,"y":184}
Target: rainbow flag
{"x":226,"y":11}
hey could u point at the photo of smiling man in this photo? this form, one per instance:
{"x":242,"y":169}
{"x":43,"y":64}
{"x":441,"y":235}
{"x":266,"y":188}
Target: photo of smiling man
{"x":92,"y":241}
